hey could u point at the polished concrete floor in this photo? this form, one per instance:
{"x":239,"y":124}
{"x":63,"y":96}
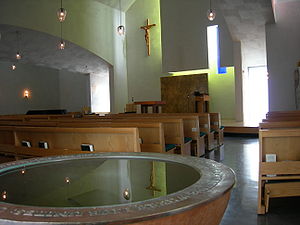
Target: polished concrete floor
{"x":241,"y":154}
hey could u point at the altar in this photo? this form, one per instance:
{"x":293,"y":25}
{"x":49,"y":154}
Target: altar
{"x":149,"y":106}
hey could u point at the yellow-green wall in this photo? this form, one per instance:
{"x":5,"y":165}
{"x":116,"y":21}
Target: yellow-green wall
{"x":143,"y":71}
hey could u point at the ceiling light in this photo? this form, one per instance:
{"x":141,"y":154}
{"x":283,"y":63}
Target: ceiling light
{"x":121,"y":28}
{"x":211,"y":14}
{"x":61,"y":44}
{"x":18,"y":54}
{"x":61,"y":13}
{"x":13,"y":67}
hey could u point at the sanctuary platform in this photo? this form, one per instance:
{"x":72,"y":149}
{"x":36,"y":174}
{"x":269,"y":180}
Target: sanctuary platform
{"x":234,"y":127}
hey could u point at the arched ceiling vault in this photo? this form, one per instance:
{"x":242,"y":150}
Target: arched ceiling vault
{"x":41,"y":49}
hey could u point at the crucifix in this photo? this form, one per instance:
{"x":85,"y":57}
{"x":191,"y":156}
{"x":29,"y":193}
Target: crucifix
{"x":147,"y":34}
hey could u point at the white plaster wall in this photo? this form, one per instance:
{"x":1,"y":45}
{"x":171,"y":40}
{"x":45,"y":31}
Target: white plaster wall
{"x":74,"y":89}
{"x":42,"y":83}
{"x":184,"y":41}
{"x":283,"y":54}
{"x":184,"y":35}
{"x":238,"y":81}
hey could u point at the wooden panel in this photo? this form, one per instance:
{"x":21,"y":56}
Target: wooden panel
{"x":285,"y":143}
{"x":103,"y":139}
{"x":285,"y":148}
{"x":35,"y":152}
{"x":287,"y":167}
{"x":177,"y":92}
{"x":289,"y":189}
{"x":6,"y":137}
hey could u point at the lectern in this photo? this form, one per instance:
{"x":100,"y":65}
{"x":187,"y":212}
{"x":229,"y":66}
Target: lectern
{"x":202,"y":104}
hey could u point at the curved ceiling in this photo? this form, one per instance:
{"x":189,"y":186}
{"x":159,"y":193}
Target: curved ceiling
{"x":40,"y":49}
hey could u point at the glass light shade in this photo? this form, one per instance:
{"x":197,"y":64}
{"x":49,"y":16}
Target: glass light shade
{"x":26,"y":94}
{"x":18,"y":55}
{"x":61,"y":14}
{"x":121,"y":30}
{"x":13,"y":67}
{"x":211,"y":14}
{"x":61,"y":45}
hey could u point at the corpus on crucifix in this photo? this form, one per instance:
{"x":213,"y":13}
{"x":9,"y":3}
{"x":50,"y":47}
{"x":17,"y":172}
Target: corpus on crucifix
{"x":147,"y":34}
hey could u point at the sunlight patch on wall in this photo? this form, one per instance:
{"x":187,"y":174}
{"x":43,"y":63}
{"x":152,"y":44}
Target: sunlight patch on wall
{"x":100,"y":93}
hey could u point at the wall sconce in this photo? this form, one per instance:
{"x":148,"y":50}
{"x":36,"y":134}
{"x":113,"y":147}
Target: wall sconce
{"x":26,"y":94}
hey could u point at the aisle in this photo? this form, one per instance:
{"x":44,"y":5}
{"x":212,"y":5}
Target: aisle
{"x":241,"y":154}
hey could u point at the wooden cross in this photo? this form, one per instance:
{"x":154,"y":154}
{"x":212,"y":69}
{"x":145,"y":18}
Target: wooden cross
{"x":147,"y":34}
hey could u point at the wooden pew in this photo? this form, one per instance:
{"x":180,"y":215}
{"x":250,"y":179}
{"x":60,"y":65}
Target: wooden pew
{"x":7,"y":135}
{"x":23,"y":152}
{"x":173,"y":128}
{"x":279,"y":124}
{"x":280,"y":178}
{"x":173,"y":131}
{"x":105,"y":139}
{"x":183,"y":130}
{"x":205,"y":121}
{"x":215,"y":124}
{"x":151,"y":134}
{"x":283,"y":113}
{"x":282,"y":116}
{"x":21,"y":117}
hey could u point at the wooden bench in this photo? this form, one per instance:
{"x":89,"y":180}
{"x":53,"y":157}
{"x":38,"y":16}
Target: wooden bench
{"x":279,"y":124}
{"x":105,"y":139}
{"x":173,"y":128}
{"x":205,"y":133}
{"x":178,"y":131}
{"x":173,"y":131}
{"x":23,"y":152}
{"x":21,"y":117}
{"x":151,"y":134}
{"x":283,"y":113}
{"x":280,"y":178}
{"x":215,"y":125}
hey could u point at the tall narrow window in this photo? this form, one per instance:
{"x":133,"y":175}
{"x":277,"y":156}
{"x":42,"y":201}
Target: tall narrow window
{"x":213,"y":43}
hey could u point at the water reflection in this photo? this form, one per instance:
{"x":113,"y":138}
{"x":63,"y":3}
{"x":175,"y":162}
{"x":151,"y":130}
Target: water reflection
{"x":94,"y":182}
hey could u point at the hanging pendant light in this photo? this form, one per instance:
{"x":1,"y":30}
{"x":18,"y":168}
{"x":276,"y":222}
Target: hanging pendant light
{"x":61,"y":44}
{"x":211,"y":14}
{"x":61,"y":13}
{"x":13,"y":66}
{"x":121,"y":28}
{"x":18,"y":54}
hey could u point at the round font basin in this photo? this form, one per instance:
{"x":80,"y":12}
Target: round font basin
{"x":114,"y":188}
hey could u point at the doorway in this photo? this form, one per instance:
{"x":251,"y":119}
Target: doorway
{"x":256,"y":97}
